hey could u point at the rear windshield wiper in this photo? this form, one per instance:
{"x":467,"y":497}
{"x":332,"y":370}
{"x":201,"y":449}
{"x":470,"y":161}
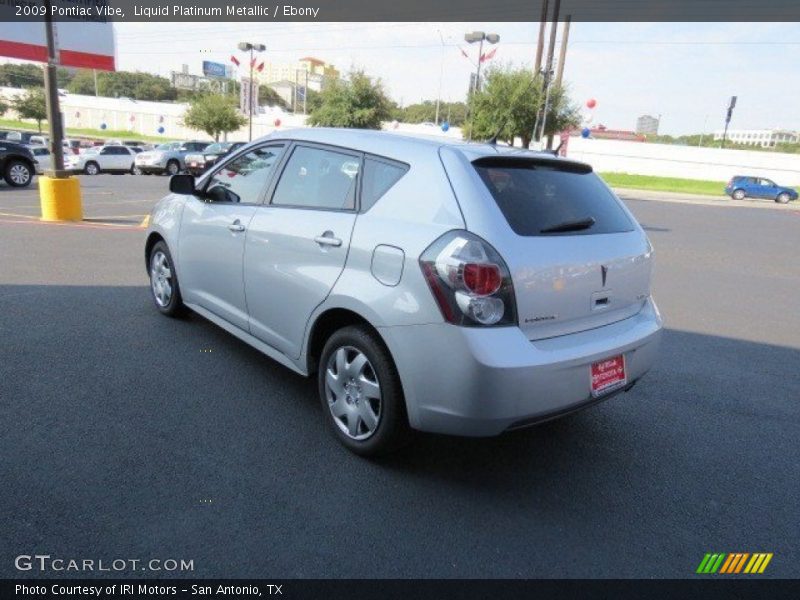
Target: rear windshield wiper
{"x":578,"y":225}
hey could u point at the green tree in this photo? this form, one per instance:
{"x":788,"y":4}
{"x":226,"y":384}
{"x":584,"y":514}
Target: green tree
{"x":268,"y":96}
{"x":4,"y":106}
{"x":215,"y":114}
{"x":452,"y":112}
{"x":139,"y":86}
{"x":31,"y":105}
{"x":360,"y":102}
{"x":509,"y":102}
{"x":82,"y":83}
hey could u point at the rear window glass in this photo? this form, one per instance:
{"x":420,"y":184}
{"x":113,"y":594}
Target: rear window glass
{"x":538,"y":198}
{"x":379,"y":176}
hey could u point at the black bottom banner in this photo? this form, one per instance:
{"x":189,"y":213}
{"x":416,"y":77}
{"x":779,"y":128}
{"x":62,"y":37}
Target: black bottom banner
{"x":389,"y":589}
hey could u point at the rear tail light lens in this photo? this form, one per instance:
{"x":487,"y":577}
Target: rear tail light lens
{"x":469,"y":280}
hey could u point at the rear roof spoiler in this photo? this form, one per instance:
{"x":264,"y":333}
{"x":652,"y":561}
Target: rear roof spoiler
{"x":532,"y":161}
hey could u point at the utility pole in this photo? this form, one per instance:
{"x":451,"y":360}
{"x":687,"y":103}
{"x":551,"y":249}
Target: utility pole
{"x":548,"y":75}
{"x":441,"y":76}
{"x":537,"y":64}
{"x":562,"y":56}
{"x":51,"y":97}
{"x":731,"y":106}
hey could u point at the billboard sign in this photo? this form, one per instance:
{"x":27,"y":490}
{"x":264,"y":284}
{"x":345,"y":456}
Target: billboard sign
{"x":85,"y":44}
{"x":214,"y":69}
{"x":248,"y":98}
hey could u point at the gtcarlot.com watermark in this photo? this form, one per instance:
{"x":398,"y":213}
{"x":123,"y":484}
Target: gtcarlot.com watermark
{"x":45,"y":563}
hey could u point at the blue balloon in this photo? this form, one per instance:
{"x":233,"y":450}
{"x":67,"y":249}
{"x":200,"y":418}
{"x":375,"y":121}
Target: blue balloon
{"x":103,"y":125}
{"x":445,"y":126}
{"x":586,"y":132}
{"x":160,"y":130}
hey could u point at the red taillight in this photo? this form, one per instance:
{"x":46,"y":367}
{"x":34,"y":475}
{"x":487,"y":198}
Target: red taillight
{"x":483,"y":280}
{"x":469,"y":281}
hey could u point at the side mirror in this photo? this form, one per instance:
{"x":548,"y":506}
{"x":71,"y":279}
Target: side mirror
{"x":182,"y":184}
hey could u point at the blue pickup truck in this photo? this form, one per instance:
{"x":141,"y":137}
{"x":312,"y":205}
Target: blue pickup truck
{"x":744,"y":186}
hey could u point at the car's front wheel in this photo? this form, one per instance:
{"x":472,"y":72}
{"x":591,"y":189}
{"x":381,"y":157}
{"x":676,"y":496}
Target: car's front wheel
{"x":361,"y":394}
{"x":783,"y":198}
{"x":164,"y":282}
{"x":173,"y":167}
{"x":91,"y":168}
{"x":18,"y":173}
{"x":738,"y":194}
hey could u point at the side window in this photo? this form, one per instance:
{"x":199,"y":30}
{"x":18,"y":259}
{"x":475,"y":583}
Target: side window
{"x":245,"y":177}
{"x":379,"y":176}
{"x":105,"y":151}
{"x":317,"y":178}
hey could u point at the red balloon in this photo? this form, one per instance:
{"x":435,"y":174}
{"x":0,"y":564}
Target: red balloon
{"x":277,"y":122}
{"x":591,"y":103}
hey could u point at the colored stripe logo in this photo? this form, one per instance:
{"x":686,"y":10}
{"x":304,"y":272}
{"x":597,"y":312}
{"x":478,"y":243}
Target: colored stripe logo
{"x":734,"y":562}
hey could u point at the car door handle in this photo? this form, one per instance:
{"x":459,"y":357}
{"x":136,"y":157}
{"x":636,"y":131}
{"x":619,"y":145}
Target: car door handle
{"x":325,"y":240}
{"x":236,"y":226}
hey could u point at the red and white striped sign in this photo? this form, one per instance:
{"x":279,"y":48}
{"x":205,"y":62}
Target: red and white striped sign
{"x":88,"y":45}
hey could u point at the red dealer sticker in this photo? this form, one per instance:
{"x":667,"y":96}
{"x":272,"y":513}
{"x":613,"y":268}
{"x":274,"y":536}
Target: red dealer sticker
{"x":608,"y":375}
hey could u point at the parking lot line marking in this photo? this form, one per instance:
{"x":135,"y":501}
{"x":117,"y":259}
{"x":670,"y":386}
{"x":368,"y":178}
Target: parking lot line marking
{"x":5,"y":214}
{"x":78,"y":224}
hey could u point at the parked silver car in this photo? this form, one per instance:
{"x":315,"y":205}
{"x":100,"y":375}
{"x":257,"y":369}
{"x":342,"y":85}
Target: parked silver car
{"x":434,"y":285}
{"x":169,"y":158}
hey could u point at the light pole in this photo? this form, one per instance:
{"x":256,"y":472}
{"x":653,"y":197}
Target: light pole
{"x":471,"y":38}
{"x":441,"y":75}
{"x":245,"y":47}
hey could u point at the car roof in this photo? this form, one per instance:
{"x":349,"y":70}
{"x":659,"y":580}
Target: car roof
{"x":404,"y":147}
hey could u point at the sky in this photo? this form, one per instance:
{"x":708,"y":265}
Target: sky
{"x":685,"y":72}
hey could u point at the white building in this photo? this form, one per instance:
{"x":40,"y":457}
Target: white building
{"x":766,"y":138}
{"x":648,"y":125}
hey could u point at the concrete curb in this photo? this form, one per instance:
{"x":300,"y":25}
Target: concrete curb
{"x":722,"y":201}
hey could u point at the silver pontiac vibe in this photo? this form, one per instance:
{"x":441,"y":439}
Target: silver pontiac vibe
{"x":448,"y":287}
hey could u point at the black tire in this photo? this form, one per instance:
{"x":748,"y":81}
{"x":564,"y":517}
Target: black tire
{"x":18,"y":173}
{"x":175,"y":306}
{"x":392,"y":430}
{"x":135,"y":170}
{"x":173,"y":167}
{"x":91,"y":168}
{"x":783,"y":198}
{"x":738,"y":195}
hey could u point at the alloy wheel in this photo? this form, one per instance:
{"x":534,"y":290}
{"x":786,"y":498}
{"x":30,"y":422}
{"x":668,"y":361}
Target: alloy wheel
{"x":161,"y":278}
{"x":353,"y":392}
{"x":19,"y":174}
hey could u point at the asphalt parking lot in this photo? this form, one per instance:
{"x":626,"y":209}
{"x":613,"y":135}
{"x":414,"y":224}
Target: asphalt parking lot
{"x":129,"y":435}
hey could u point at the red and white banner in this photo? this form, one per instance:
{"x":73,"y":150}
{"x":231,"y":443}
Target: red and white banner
{"x":88,"y":45}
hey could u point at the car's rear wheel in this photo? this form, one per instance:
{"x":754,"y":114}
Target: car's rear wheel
{"x":91,"y":168}
{"x":783,"y":198}
{"x":173,"y":167}
{"x":738,"y":195}
{"x":18,"y":173}
{"x":164,"y":282}
{"x":361,"y":394}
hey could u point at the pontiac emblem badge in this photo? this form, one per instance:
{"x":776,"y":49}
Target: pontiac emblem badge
{"x":604,"y":273}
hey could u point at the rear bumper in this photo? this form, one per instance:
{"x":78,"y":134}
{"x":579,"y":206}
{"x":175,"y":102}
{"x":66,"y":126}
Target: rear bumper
{"x":481,"y":382}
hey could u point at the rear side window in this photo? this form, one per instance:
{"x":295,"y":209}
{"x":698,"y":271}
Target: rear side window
{"x":538,"y":198}
{"x":317,"y":178}
{"x":379,"y":176}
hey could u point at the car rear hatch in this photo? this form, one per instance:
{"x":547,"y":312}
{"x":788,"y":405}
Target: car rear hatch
{"x":577,"y":258}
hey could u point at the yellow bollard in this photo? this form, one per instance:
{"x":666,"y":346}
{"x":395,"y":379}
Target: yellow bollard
{"x":60,"y":199}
